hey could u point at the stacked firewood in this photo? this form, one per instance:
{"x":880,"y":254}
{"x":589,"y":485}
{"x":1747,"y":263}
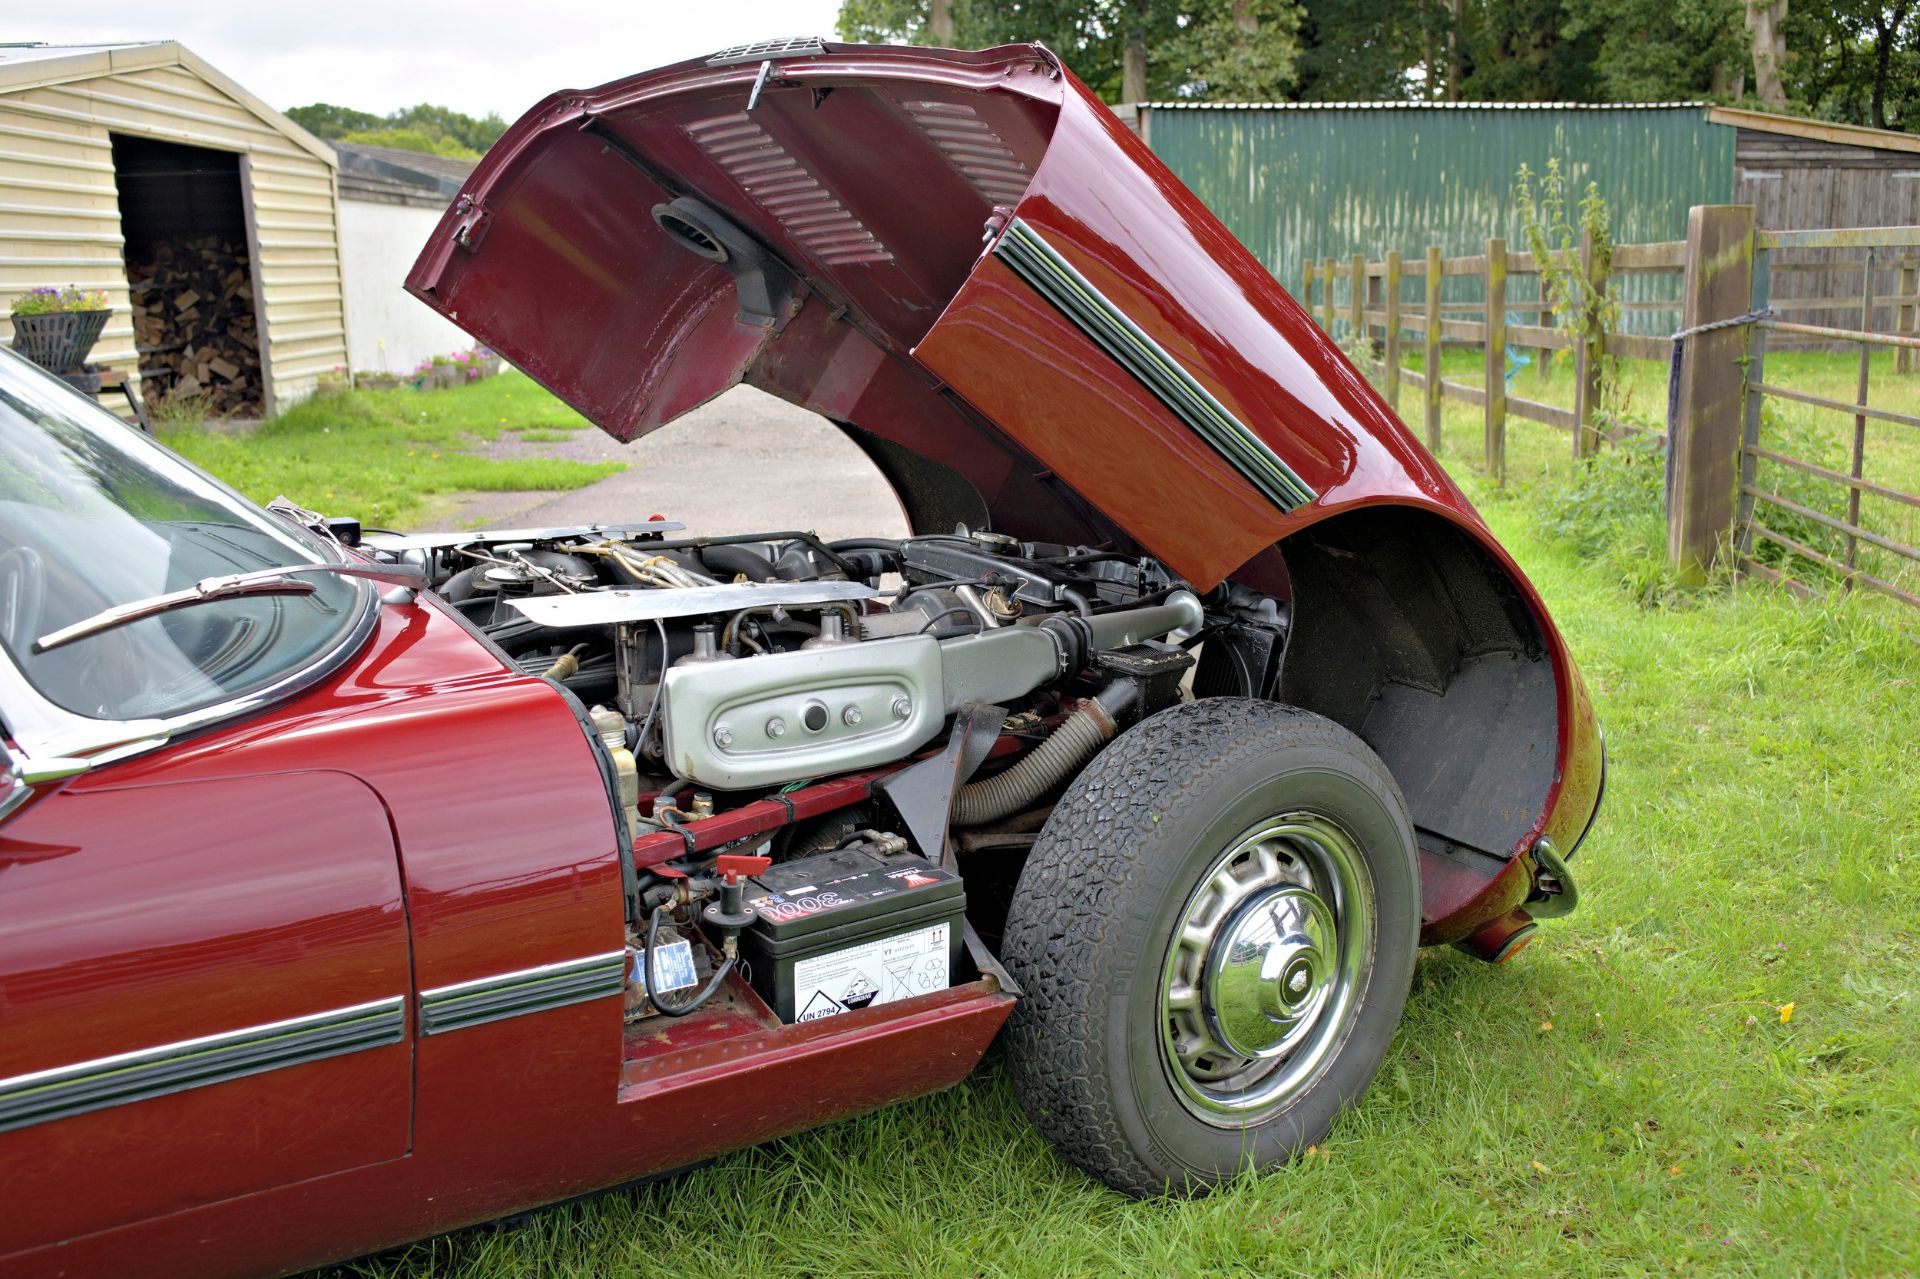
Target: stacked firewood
{"x":194,"y":326}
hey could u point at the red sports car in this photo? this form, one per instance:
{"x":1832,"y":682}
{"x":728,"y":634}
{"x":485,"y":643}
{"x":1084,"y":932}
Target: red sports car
{"x":355,"y":888}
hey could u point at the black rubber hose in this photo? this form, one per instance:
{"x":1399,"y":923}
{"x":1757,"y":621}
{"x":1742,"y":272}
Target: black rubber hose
{"x":866,"y":544}
{"x":653,"y":982}
{"x":728,"y":560}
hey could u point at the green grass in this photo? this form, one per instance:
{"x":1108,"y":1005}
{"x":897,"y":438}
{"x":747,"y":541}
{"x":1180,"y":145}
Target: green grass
{"x":1625,"y":1098}
{"x":389,"y":457}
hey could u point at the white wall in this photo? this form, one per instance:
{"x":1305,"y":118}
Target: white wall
{"x":387,"y":329}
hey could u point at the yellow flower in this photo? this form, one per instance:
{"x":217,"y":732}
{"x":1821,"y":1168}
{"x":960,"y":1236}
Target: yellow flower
{"x":1786,"y":1012}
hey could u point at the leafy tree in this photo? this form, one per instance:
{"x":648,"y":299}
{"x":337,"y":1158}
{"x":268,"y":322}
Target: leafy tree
{"x":1362,"y":50}
{"x":1126,"y":50}
{"x":324,"y":120}
{"x":1664,"y":50}
{"x":1522,"y":51}
{"x":1238,"y":50}
{"x":410,"y":140}
{"x":433,"y":129}
{"x":1856,"y":61}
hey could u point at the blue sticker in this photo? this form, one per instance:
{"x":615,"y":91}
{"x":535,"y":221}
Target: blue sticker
{"x":672,"y":964}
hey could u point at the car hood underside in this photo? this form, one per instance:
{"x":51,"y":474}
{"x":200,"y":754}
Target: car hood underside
{"x":963,"y":258}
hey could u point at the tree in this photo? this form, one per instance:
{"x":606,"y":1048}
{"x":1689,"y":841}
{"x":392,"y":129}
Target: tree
{"x":1126,"y":50}
{"x":1764,"y":19}
{"x":433,"y":129}
{"x":1362,"y":50}
{"x":1239,"y":50}
{"x":1664,"y":50}
{"x":1856,"y":61}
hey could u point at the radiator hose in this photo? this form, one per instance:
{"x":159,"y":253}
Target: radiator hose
{"x":1079,"y":737}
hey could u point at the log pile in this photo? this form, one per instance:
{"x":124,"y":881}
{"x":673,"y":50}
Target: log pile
{"x":194,"y":326}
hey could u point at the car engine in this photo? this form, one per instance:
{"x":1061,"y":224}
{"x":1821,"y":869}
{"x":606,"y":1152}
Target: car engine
{"x":721,"y":673}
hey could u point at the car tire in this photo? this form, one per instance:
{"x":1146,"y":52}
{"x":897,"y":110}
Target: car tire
{"x":1215,"y":934}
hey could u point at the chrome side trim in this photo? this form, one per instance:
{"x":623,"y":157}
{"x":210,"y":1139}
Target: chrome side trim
{"x":526,"y":990}
{"x":1040,"y":265}
{"x":45,"y":1095}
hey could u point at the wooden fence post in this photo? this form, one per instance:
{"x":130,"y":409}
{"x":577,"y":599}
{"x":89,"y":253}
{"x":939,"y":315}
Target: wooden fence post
{"x":1392,"y":287}
{"x":1703,"y":436}
{"x":1356,"y":304}
{"x":1589,"y":353}
{"x":1326,"y":295}
{"x":1496,"y":360}
{"x":1431,"y":339}
{"x":1904,"y":317}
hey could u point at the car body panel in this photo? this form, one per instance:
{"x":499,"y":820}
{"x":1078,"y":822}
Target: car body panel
{"x":291,"y":877}
{"x":483,"y":848}
{"x":488,"y":786}
{"x":935,"y":355}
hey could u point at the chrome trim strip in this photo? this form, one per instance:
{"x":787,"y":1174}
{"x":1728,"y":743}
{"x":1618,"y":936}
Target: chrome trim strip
{"x":42,"y":1096}
{"x":1040,"y":265}
{"x":523,"y":991}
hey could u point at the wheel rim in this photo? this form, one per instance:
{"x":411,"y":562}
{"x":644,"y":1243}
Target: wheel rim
{"x":1264,"y":972}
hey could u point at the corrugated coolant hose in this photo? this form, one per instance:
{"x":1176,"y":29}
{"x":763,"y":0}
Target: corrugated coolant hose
{"x":1069,"y":746}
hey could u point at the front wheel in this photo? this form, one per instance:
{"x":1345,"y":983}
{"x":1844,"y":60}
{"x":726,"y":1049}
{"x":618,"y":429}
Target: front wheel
{"x":1216,"y":933}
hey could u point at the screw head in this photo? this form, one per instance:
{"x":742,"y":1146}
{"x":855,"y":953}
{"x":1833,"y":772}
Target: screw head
{"x":776,"y":727}
{"x":722,"y":735}
{"x":902,"y":707}
{"x":850,"y":716}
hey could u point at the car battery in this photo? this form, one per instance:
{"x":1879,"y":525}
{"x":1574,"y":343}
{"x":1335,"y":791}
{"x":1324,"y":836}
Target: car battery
{"x":840,"y":931}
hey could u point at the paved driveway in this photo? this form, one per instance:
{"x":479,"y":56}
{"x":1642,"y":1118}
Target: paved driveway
{"x":744,"y":463}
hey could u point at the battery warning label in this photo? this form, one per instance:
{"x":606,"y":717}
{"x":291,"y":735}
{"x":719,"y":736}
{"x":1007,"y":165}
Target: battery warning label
{"x":875,"y":972}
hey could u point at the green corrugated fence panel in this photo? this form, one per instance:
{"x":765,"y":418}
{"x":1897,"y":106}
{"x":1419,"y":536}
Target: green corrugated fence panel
{"x":1303,"y":184}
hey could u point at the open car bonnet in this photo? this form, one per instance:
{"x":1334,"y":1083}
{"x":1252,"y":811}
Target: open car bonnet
{"x":964,"y":259}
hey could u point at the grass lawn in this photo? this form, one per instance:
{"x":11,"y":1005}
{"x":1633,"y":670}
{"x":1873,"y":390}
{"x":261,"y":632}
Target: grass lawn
{"x":1710,"y":1069}
{"x":395,"y":457}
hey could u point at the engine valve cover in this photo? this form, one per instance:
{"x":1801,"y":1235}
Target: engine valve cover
{"x":782,"y":717}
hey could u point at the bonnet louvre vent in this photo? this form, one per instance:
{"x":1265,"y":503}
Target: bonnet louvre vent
{"x":778,"y":183}
{"x":983,"y":159}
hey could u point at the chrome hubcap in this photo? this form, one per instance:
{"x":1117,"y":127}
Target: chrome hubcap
{"x":1265,"y":968}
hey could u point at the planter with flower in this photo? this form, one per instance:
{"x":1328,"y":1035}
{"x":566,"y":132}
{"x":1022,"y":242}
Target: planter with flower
{"x":56,"y":328}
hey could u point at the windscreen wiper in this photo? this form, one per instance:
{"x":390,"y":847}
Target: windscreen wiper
{"x":260,"y":581}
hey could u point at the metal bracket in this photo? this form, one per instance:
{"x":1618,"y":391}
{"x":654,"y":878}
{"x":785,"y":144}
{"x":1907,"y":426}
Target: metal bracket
{"x":1554,"y":892}
{"x":759,"y":83}
{"x":923,"y":792}
{"x":471,"y":228}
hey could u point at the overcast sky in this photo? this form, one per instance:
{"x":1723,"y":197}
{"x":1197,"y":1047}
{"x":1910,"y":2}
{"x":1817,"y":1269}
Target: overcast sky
{"x":475,"y":56}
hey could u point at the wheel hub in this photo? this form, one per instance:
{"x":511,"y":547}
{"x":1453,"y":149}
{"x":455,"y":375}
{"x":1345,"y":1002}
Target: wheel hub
{"x":1262,"y":973}
{"x":1267,"y":973}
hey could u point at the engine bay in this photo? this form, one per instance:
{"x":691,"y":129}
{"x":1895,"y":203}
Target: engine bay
{"x":830,"y":757}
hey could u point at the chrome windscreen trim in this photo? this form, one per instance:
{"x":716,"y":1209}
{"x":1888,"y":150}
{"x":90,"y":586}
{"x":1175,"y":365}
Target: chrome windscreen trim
{"x":523,"y":991}
{"x":62,"y":1091}
{"x":1040,"y":265}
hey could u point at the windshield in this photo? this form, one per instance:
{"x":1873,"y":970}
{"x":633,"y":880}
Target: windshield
{"x":94,"y":514}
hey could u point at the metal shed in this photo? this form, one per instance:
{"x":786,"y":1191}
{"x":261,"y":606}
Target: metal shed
{"x":113,"y":154}
{"x":1300,"y":182}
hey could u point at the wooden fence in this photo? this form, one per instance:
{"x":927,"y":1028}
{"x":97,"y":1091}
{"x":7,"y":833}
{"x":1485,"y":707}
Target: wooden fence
{"x":1714,"y":429}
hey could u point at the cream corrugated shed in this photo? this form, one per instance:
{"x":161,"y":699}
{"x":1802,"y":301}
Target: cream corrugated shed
{"x":60,"y":220}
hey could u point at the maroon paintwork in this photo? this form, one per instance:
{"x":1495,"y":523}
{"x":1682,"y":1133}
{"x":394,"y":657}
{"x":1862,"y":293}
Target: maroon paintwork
{"x":261,"y":881}
{"x":428,"y":816}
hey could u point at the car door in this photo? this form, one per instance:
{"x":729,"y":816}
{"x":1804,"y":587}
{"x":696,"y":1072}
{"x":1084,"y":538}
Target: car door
{"x":202,"y":994}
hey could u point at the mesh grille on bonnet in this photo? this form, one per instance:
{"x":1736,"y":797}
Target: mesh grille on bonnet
{"x":777,"y":183}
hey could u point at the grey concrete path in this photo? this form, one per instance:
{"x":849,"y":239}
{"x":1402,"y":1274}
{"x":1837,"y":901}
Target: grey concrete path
{"x":744,"y":463}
